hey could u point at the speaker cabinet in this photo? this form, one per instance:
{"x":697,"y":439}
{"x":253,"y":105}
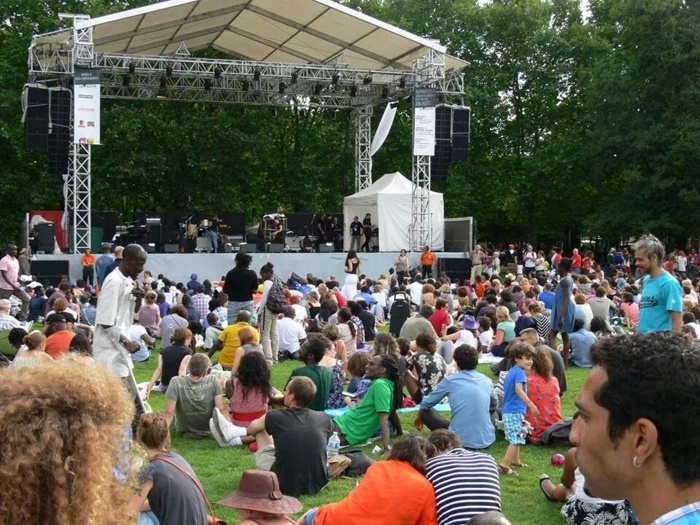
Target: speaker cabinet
{"x":45,"y":237}
{"x":49,"y":273}
{"x":37,"y":118}
{"x":275,"y":247}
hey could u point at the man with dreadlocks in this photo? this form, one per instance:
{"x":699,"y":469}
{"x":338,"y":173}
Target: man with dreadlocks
{"x":377,"y":407}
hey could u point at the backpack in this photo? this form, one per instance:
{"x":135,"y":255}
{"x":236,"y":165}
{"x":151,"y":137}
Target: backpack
{"x":558,"y":433}
{"x":276,"y":300}
{"x":400,"y":311}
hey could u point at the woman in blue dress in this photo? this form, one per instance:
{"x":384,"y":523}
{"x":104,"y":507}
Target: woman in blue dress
{"x":563,"y":310}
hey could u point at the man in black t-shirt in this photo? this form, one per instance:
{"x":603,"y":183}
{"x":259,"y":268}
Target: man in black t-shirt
{"x":291,"y":443}
{"x":367,"y":230}
{"x":355,"y":234}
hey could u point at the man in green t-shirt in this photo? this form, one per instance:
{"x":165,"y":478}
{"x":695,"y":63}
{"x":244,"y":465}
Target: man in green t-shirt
{"x":311,"y":353}
{"x":372,"y":414}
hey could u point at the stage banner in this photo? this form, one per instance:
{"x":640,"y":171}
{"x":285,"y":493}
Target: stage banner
{"x":383,"y":128}
{"x":86,"y":106}
{"x":424,"y":122}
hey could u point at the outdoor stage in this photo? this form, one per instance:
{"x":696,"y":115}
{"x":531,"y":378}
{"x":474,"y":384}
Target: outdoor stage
{"x":179,"y":267}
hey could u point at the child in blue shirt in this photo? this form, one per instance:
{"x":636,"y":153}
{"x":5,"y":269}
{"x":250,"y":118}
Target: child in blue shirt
{"x":515,"y":404}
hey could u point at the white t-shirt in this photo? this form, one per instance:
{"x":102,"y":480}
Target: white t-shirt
{"x":416,"y":291}
{"x":486,"y":338}
{"x":466,"y":337}
{"x":290,"y":334}
{"x":136,"y":333}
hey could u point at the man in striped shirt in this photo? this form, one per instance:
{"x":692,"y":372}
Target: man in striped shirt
{"x":466,"y":483}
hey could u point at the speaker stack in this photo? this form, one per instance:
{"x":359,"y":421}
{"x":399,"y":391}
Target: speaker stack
{"x":452,"y":126}
{"x":45,"y":237}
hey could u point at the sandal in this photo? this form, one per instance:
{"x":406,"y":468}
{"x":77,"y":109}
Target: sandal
{"x":506,"y":471}
{"x":547,"y":495}
{"x":518,"y":465}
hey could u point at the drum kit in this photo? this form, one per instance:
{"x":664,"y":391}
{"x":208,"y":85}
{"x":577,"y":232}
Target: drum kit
{"x":193,"y":235}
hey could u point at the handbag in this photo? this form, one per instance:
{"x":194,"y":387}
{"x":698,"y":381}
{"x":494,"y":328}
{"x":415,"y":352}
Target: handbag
{"x":211,"y":518}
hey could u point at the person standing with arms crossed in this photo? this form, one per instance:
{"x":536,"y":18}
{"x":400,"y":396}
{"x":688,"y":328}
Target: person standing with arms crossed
{"x":661,"y":305}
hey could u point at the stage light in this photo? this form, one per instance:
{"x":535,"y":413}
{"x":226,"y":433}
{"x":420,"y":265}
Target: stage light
{"x":282,"y":88}
{"x":162,"y":94}
{"x":217,"y":72}
{"x":335,"y":79}
{"x":385,"y":92}
{"x":273,"y":111}
{"x":132,"y":68}
{"x":402,"y":82}
{"x":256,"y":74}
{"x":295,"y":77}
{"x":207,"y":84}
{"x":126,"y":81}
{"x":353,"y":90}
{"x":163,"y":82}
{"x":169,"y":71}
{"x":367,"y":79}
{"x":212,"y":111}
{"x":318,"y":88}
{"x":246,"y":85}
{"x":242,"y":112}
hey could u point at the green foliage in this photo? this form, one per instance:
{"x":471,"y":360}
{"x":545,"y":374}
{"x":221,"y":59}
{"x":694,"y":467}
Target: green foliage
{"x":582,"y":124}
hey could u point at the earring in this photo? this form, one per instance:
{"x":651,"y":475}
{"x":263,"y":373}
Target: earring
{"x":636,"y":462}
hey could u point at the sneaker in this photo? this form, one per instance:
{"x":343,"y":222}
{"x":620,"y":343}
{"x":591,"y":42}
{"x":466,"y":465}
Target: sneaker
{"x":228,"y":430}
{"x":216,"y":433}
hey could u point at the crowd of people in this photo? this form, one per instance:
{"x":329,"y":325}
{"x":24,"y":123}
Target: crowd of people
{"x":219,"y":341}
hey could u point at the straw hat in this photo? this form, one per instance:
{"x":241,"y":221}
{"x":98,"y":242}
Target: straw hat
{"x":259,"y":490}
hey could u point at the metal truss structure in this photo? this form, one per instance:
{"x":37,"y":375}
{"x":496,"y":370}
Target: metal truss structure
{"x":363,"y":143}
{"x":183,"y":78}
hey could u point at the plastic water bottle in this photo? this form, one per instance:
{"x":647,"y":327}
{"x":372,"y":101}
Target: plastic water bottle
{"x":333,"y":445}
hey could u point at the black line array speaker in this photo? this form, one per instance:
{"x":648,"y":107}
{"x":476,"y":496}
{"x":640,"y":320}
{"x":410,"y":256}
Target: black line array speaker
{"x":59,"y":130}
{"x":275,"y":247}
{"x":440,"y":162}
{"x":37,"y":118}
{"x":461,"y":121}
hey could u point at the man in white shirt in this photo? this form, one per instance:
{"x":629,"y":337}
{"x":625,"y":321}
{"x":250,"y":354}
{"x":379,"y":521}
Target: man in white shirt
{"x":416,"y":289}
{"x":291,"y":336}
{"x":115,"y":312}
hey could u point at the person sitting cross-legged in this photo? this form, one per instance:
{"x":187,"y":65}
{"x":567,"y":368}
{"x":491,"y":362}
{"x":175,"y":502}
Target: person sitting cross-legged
{"x":312,"y":353}
{"x":291,"y":443}
{"x":471,"y":397}
{"x":192,"y":398}
{"x":466,"y":483}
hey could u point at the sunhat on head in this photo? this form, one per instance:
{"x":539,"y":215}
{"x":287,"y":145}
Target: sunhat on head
{"x":260,"y":490}
{"x":469,"y":322}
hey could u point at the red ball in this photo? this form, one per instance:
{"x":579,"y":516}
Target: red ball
{"x":558,"y":460}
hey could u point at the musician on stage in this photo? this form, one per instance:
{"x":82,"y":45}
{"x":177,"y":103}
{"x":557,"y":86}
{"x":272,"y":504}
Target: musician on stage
{"x":277,"y":234}
{"x":355,"y":234}
{"x":213,"y":234}
{"x":367,"y":230}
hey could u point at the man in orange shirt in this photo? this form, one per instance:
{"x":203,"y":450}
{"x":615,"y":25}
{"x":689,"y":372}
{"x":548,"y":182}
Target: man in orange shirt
{"x":427,"y":259}
{"x":88,"y":262}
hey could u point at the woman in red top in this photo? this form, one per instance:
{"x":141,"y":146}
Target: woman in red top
{"x":543,"y":391}
{"x":440,"y":318}
{"x":410,"y":500}
{"x":250,"y":391}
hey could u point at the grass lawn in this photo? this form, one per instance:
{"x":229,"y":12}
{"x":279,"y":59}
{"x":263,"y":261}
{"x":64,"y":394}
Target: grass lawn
{"x":220,"y":469}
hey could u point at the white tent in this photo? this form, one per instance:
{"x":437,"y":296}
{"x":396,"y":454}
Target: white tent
{"x":389,"y":202}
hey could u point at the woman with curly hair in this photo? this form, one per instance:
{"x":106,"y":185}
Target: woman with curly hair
{"x":250,"y":391}
{"x":167,"y":491}
{"x":60,"y":435}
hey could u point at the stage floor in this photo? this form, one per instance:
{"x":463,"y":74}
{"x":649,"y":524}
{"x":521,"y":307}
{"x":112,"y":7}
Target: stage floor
{"x":179,"y":266}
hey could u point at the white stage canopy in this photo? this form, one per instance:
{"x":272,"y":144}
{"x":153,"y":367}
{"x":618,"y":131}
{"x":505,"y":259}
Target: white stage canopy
{"x":287,"y":31}
{"x":389,"y":202}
